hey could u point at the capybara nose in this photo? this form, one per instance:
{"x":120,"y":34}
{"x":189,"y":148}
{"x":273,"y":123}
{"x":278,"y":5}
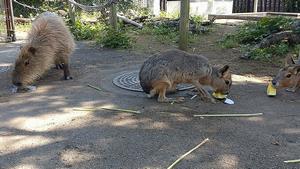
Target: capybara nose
{"x":18,"y":84}
{"x":274,"y":82}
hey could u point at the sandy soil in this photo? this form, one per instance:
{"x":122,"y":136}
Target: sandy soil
{"x":41,"y":130}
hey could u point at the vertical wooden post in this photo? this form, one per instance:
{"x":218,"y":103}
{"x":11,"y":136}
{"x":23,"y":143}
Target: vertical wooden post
{"x":10,"y":25}
{"x":72,"y":12}
{"x":255,"y":6}
{"x":113,"y":16}
{"x":184,"y":24}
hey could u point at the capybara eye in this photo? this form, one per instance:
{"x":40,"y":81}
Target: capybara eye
{"x":227,"y":82}
{"x":288,"y":75}
{"x":26,"y":62}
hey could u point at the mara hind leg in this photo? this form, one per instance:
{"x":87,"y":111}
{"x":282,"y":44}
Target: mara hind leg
{"x":172,"y":89}
{"x":162,"y":88}
{"x":63,"y":61}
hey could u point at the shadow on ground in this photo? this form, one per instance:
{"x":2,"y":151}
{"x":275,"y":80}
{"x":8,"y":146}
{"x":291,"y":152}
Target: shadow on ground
{"x":41,"y":129}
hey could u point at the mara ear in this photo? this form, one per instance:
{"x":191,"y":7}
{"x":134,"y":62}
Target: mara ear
{"x":289,"y":61}
{"x":223,"y":70}
{"x":296,"y":69}
{"x":32,"y":50}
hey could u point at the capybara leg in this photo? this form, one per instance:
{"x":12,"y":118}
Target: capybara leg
{"x":66,"y":69}
{"x":204,"y":95}
{"x":59,"y":66}
{"x":152,"y":93}
{"x":162,"y":88}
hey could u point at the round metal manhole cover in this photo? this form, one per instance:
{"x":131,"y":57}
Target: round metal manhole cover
{"x":130,"y":81}
{"x":4,"y":69}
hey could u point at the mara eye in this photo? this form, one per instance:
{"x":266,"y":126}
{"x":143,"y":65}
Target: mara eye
{"x":26,"y":62}
{"x":227,"y":82}
{"x":288,"y":76}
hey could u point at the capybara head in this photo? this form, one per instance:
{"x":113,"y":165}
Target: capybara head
{"x":27,"y":68}
{"x":221,"y":80}
{"x":289,"y":76}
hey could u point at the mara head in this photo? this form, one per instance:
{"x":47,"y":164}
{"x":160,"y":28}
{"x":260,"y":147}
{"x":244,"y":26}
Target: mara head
{"x":221,"y":80}
{"x":289,"y":76}
{"x":26,"y":70}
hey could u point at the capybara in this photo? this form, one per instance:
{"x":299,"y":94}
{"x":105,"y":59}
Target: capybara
{"x":49,"y":42}
{"x":163,"y":71}
{"x":289,"y":76}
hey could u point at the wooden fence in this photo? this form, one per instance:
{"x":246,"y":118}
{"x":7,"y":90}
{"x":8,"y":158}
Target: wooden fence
{"x":242,"y":6}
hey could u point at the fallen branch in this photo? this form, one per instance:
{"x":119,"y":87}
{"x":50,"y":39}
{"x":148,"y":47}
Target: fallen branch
{"x":292,"y":161}
{"x":105,"y":108}
{"x":180,"y":158}
{"x":94,"y":87}
{"x":126,"y":20}
{"x":290,"y":36}
{"x":228,"y":115}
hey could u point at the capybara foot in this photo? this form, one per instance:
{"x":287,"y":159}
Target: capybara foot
{"x":68,"y":77}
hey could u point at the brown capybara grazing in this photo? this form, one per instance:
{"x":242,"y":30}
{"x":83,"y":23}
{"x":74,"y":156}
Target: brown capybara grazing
{"x":289,"y":76}
{"x":163,"y":71}
{"x":49,"y":42}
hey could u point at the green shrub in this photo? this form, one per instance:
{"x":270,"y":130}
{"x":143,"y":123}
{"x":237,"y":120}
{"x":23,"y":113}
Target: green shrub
{"x":266,"y":54}
{"x":251,"y":33}
{"x":86,"y":31}
{"x":115,"y":39}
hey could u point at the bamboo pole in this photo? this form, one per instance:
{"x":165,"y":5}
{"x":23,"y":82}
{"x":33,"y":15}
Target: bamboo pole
{"x":187,"y":153}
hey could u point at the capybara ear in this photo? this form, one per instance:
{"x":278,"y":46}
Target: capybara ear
{"x":289,"y":61}
{"x":297,"y":69}
{"x":32,"y":50}
{"x":224,"y":70}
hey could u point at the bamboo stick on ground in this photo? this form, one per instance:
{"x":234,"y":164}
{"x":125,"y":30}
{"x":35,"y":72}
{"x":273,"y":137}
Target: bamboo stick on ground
{"x":94,"y":87}
{"x":292,"y":161}
{"x":105,"y":108}
{"x":228,"y":115}
{"x":181,"y":157}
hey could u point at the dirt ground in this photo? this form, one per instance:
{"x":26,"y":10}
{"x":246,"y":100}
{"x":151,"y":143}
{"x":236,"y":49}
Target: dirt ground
{"x":40,"y":129}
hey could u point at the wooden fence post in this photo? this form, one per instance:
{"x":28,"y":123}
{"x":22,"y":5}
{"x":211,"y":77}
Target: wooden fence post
{"x":184,"y":24}
{"x":72,"y":12}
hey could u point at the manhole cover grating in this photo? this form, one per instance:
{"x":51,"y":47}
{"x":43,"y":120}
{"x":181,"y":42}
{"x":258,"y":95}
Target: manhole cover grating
{"x":130,"y":81}
{"x":4,"y":69}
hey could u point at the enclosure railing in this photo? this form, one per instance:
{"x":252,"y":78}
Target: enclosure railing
{"x":242,"y":6}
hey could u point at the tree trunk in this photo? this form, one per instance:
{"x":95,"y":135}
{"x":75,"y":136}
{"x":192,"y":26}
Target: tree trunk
{"x":184,"y":24}
{"x":113,"y":16}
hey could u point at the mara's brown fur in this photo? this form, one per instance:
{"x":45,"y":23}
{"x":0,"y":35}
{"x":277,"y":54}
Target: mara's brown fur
{"x":289,"y":76}
{"x":49,"y":42}
{"x":163,"y":71}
